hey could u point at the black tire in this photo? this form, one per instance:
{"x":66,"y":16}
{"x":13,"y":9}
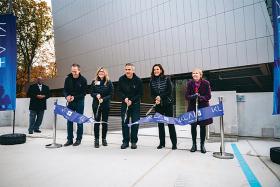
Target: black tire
{"x":12,"y":139}
{"x":275,"y":154}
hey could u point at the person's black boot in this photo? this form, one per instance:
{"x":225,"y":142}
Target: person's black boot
{"x":202,"y":148}
{"x":96,"y":143}
{"x":174,"y":147}
{"x":104,"y":142}
{"x":194,"y":148}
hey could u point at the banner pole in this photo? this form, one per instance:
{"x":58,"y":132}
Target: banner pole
{"x":222,"y":154}
{"x":54,"y":144}
{"x":222,"y":129}
{"x":14,"y":117}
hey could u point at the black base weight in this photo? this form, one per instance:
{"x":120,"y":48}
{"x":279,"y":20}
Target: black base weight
{"x":275,"y":154}
{"x":12,"y":139}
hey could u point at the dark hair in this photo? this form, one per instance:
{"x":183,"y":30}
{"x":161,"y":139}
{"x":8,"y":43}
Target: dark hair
{"x":76,"y":65}
{"x":160,"y":67}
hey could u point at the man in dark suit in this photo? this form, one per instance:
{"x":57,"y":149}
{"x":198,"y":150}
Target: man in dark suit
{"x":38,"y":93}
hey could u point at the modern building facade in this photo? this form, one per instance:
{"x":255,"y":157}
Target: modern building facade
{"x":231,"y":40}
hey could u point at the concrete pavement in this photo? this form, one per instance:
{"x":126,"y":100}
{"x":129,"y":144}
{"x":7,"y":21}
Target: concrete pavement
{"x":31,"y":164}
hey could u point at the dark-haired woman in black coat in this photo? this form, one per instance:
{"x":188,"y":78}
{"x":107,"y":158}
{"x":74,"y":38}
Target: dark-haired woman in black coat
{"x":161,"y":92}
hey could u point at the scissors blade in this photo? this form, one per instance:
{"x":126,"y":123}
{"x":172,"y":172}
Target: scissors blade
{"x":151,"y":109}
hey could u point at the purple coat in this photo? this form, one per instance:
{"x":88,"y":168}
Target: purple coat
{"x":203,"y":100}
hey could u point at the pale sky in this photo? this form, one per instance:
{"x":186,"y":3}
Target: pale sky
{"x":49,"y":2}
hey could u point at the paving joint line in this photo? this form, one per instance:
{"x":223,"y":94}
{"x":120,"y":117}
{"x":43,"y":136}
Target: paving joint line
{"x":149,"y":170}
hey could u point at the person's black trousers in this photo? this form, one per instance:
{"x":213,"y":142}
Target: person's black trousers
{"x":101,"y":115}
{"x":166,"y":110}
{"x":202,"y":133}
{"x":133,"y":113}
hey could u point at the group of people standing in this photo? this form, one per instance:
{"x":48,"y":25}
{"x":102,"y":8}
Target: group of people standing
{"x":130,"y":89}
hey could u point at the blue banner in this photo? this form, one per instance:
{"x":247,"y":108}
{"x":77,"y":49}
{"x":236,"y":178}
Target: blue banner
{"x":8,"y":62}
{"x":276,"y":24}
{"x":186,"y":118}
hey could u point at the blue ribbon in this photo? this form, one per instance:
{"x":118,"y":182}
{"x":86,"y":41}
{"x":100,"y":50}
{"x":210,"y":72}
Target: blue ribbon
{"x":71,"y":115}
{"x":186,"y":118}
{"x":183,"y":119}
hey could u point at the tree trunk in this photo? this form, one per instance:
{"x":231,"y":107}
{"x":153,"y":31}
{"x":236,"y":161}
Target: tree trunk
{"x":28,"y":73}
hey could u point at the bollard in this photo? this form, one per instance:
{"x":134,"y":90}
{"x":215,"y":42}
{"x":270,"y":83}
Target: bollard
{"x":14,"y":120}
{"x":54,"y":144}
{"x":222,"y":154}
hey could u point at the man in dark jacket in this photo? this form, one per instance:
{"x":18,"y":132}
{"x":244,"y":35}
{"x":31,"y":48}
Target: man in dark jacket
{"x":75,"y":86}
{"x":130,"y":91}
{"x":38,"y":93}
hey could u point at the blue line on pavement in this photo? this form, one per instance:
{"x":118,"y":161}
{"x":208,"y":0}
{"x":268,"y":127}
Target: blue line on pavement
{"x":251,"y":178}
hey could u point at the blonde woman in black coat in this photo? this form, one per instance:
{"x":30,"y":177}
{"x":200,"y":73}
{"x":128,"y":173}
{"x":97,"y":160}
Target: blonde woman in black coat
{"x":101,"y":92}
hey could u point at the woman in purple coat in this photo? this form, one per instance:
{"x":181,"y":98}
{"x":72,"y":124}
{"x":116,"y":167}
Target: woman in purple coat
{"x":200,"y":89}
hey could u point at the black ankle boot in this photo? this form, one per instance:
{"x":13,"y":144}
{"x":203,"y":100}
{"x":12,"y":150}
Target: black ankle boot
{"x":104,"y":142}
{"x":202,"y":148}
{"x":96,"y":143}
{"x":194,"y":148}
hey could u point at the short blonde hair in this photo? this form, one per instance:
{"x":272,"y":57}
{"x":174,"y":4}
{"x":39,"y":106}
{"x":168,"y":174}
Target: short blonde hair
{"x":199,"y":71}
{"x":106,"y":76}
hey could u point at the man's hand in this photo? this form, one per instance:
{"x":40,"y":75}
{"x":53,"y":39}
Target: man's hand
{"x":40,"y":96}
{"x":129,"y":103}
{"x":69,"y":98}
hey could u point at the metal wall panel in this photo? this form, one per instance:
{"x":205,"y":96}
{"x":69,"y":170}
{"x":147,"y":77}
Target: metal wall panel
{"x":179,"y":34}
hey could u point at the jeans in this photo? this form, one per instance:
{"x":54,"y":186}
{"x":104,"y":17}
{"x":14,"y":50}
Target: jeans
{"x":77,"y":106}
{"x":103,"y":114}
{"x":35,"y":119}
{"x":133,"y":113}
